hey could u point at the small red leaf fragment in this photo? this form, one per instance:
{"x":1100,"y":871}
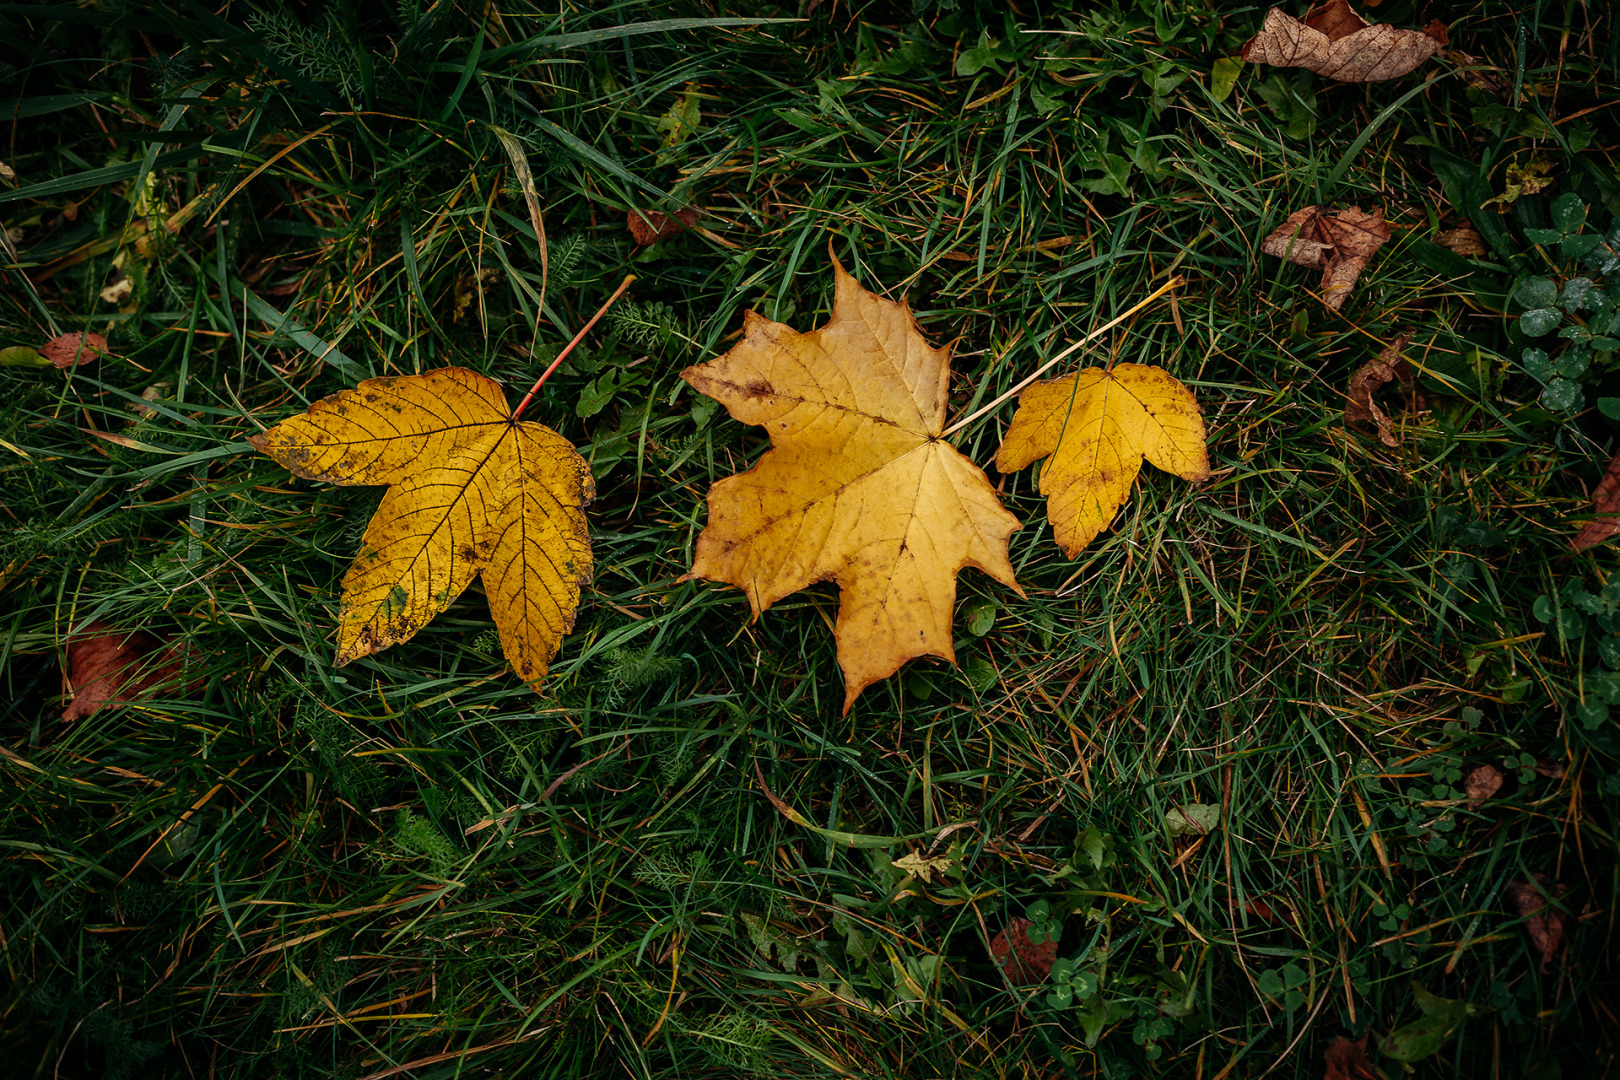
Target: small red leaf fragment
{"x":1606,"y":501}
{"x":1481,"y":783}
{"x":70,"y":349}
{"x":650,"y":226}
{"x":1542,"y":921}
{"x":1347,"y":1060}
{"x":107,"y":666}
{"x":1025,"y":962}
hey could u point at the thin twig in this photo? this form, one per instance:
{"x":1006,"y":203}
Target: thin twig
{"x":546,"y":374}
{"x":1038,"y":372}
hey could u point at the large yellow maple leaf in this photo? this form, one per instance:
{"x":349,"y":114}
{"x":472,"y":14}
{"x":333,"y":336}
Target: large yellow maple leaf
{"x":1095,"y":427}
{"x":471,"y":491}
{"x":858,"y":488}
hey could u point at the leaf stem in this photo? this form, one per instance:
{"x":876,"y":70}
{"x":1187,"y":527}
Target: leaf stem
{"x":546,"y":374}
{"x":1038,"y":372}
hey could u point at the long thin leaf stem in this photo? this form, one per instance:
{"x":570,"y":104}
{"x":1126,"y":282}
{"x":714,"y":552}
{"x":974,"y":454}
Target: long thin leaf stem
{"x":546,"y":374}
{"x":1038,"y":372}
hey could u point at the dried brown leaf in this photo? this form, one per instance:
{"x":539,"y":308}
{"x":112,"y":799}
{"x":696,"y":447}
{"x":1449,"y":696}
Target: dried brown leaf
{"x":1360,"y":408}
{"x":1544,"y":922}
{"x":1336,"y":43}
{"x":1347,"y":1060}
{"x":70,"y":349}
{"x":1606,"y":501}
{"x":1340,"y":245}
{"x":1481,"y":783}
{"x":650,"y":226}
{"x":1464,"y":241}
{"x":107,"y":666}
{"x":1025,"y":962}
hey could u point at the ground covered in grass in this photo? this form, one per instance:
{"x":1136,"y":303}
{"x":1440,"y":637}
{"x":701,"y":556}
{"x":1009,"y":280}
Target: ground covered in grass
{"x":1237,"y":759}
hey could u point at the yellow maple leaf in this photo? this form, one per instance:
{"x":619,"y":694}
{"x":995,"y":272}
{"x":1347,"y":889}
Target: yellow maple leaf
{"x":471,"y":491}
{"x":859,"y":488}
{"x":1096,"y":426}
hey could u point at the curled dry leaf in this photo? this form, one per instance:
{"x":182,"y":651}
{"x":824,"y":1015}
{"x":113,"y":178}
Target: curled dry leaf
{"x":470,"y":492}
{"x":858,"y":487}
{"x":1543,"y":921}
{"x":1481,"y":783}
{"x":1464,"y":241}
{"x":70,"y":349}
{"x":107,"y":666}
{"x":1095,"y":428}
{"x":1025,"y":962}
{"x":1389,"y":366}
{"x":1347,"y":1060}
{"x":1336,"y":43}
{"x":650,"y":226}
{"x":1340,"y":245}
{"x":1606,"y":501}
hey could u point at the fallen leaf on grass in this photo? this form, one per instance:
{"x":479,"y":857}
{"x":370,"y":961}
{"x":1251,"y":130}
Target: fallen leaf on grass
{"x":1606,"y":501}
{"x":858,"y":487}
{"x":107,"y":666}
{"x":1336,"y":43}
{"x":1192,"y":819}
{"x":1481,"y":783}
{"x":1096,"y":427}
{"x":928,"y":868}
{"x":1025,"y":962}
{"x":1542,"y":920}
{"x":1522,"y":180}
{"x":1340,"y":245}
{"x":471,"y":491}
{"x":70,"y":349}
{"x":1347,"y":1060}
{"x":1464,"y":241}
{"x":1389,"y":366}
{"x":650,"y":226}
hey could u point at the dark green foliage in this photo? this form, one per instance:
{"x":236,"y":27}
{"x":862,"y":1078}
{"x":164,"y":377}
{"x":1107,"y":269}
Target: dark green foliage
{"x":413,"y":863}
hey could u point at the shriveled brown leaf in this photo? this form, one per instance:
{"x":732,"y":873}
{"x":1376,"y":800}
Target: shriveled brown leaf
{"x":1542,"y":921}
{"x":650,"y":226}
{"x":1481,"y":783}
{"x":1339,"y":244}
{"x":1552,"y":770}
{"x":70,"y":349}
{"x":107,"y":666}
{"x":1347,"y":1060}
{"x":1360,"y":408}
{"x":1606,"y":501}
{"x":1336,"y":43}
{"x":1025,"y":962}
{"x":1464,"y":241}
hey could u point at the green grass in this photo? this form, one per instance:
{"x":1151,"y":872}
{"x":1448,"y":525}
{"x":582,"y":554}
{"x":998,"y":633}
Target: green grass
{"x":414,"y":866}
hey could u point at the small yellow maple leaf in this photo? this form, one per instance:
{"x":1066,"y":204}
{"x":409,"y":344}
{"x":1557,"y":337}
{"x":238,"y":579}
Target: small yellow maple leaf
{"x":859,"y":486}
{"x":1097,"y":425}
{"x":471,"y":491}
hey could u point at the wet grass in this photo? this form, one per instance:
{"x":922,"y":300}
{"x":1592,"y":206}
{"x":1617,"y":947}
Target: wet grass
{"x":414,"y":866}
